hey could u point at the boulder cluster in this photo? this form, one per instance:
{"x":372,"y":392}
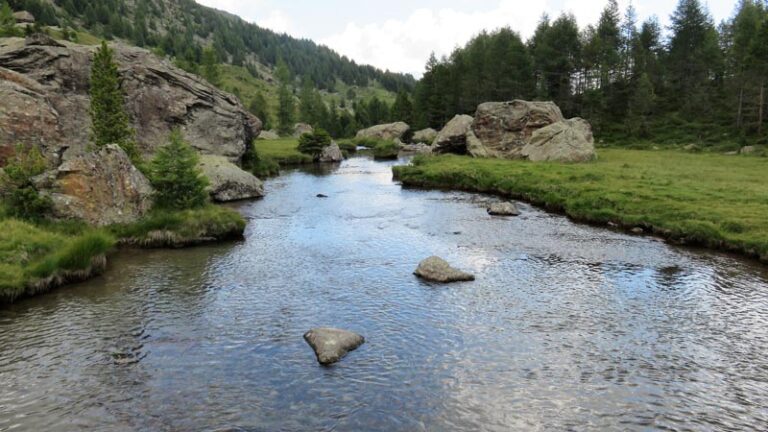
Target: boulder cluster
{"x":535,"y":131}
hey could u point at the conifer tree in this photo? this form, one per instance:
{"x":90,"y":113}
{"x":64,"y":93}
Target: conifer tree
{"x":109,"y":121}
{"x":7,"y":21}
{"x":174,"y":174}
{"x":286,"y":105}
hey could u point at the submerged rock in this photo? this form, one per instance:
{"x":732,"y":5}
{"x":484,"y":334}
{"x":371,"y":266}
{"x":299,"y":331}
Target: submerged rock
{"x":331,"y":154}
{"x":331,"y":344}
{"x":437,"y":269}
{"x":503,"y":209}
{"x":228,"y":182}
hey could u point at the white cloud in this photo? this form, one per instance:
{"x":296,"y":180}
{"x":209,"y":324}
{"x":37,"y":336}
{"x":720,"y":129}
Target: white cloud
{"x":278,"y":22}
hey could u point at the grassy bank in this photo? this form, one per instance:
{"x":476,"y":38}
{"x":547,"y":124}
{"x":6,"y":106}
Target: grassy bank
{"x":35,"y":258}
{"x":283,"y":151}
{"x":703,"y":199}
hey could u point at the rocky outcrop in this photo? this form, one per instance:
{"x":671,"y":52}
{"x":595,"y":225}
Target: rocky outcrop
{"x":331,"y":154}
{"x":44,"y":86}
{"x":101,"y":188}
{"x":436,"y":269}
{"x":503,"y":209}
{"x":331,"y":345}
{"x":24,"y":17}
{"x":269,"y":135}
{"x":425,"y":136}
{"x":454,"y":136}
{"x":566,"y":141}
{"x":227,"y":182}
{"x":302,"y":128}
{"x":504,"y":128}
{"x":390,"y":131}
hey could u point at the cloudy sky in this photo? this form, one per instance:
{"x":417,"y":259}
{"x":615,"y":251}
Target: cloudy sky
{"x":399,"y":34}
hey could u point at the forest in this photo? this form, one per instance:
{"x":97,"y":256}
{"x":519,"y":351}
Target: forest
{"x":698,"y":83}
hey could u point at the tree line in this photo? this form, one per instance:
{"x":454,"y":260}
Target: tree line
{"x":702,"y":82}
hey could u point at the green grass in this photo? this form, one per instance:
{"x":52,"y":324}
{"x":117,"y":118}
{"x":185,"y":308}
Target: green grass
{"x":163,"y":228}
{"x":283,"y":151}
{"x":385,"y":150}
{"x":704,"y":199}
{"x":30,"y":254}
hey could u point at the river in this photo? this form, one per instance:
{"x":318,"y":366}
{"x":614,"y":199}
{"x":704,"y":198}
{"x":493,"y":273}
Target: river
{"x":568,"y":327}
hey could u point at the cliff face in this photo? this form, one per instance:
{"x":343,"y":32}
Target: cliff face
{"x":44,"y":87}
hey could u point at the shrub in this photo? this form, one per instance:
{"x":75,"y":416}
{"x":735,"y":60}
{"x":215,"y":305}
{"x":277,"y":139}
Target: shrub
{"x":313,"y":143}
{"x":22,"y":199}
{"x":386,"y":150}
{"x":348,"y":146}
{"x":174,"y":174}
{"x":258,"y":165}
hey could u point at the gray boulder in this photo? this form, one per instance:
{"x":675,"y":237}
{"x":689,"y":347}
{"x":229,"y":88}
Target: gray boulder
{"x":331,"y":345}
{"x":300,"y":129}
{"x":45,"y":85}
{"x":437,"y":269}
{"x":503,"y":209}
{"x":24,"y":17}
{"x":751,"y":150}
{"x":504,"y":128}
{"x":269,"y":135}
{"x":426,"y":136}
{"x":227,"y":181}
{"x":101,"y":188}
{"x":390,"y":131}
{"x":566,"y":141}
{"x":331,"y":154}
{"x":419,"y":148}
{"x":453,"y":138}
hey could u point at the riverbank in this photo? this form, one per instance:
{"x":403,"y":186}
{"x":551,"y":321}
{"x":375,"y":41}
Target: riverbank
{"x":716,"y":201}
{"x":35,"y":258}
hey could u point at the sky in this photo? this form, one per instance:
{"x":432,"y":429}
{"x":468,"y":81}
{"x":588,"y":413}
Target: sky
{"x":399,"y":35}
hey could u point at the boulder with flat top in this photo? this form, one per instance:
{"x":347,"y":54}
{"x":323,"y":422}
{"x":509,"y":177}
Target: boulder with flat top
{"x":436,"y":269}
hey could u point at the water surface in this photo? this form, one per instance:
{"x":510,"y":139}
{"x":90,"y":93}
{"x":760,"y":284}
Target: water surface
{"x":568,"y":327}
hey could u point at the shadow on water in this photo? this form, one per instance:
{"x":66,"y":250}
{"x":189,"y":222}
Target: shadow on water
{"x":567,"y":326}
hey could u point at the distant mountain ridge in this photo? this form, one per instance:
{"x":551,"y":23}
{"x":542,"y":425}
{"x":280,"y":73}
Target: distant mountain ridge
{"x":183,"y":28}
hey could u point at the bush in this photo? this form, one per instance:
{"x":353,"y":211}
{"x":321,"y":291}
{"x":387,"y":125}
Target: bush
{"x":386,"y":150}
{"x":348,"y":146}
{"x":22,"y":199}
{"x":174,"y":174}
{"x":313,"y":143}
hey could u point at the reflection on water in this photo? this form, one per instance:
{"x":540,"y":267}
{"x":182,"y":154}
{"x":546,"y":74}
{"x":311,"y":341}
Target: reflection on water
{"x":567,"y":326}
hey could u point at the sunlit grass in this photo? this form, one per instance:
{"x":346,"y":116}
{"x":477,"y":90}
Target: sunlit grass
{"x":283,"y":151}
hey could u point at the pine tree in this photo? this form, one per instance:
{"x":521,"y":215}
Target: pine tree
{"x":7,"y":21}
{"x":286,"y":105}
{"x":314,"y":143}
{"x":259,"y":108}
{"x":211,"y":69}
{"x":174,"y":174}
{"x":109,"y":121}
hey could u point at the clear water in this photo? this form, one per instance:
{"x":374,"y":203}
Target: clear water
{"x":568,"y":327}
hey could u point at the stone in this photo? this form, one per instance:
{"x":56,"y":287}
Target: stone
{"x":322,"y":196}
{"x":436,"y":269}
{"x":269,"y":135}
{"x":228,"y":182}
{"x":302,"y":128}
{"x":503,"y":209}
{"x":24,"y":17}
{"x":101,"y":188}
{"x":331,"y":154}
{"x":388,"y":131}
{"x":425,"y":136}
{"x":637,"y":231}
{"x":44,"y":86}
{"x":331,"y":344}
{"x":504,"y":128}
{"x":691,"y":147}
{"x":419,"y":148}
{"x":566,"y":141}
{"x":453,"y":137}
{"x":751,"y":150}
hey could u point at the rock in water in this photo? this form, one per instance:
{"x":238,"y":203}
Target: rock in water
{"x":227,"y":181}
{"x":388,"y":131}
{"x":44,"y":87}
{"x":566,"y":141}
{"x":331,"y":154}
{"x":503,"y":209}
{"x":437,"y":269}
{"x":331,"y":345}
{"x":102,"y":188}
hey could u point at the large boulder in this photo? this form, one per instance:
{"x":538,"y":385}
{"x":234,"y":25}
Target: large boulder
{"x":300,"y":129}
{"x":101,"y":188}
{"x":390,"y":131}
{"x":436,"y":269}
{"x":453,"y":138}
{"x":425,"y":136}
{"x":331,"y":345}
{"x":566,"y":141}
{"x":44,"y":86}
{"x":504,"y":128}
{"x":331,"y":154}
{"x":227,"y":182}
